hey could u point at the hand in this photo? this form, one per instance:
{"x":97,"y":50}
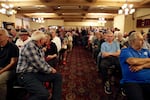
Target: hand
{"x":53,"y":70}
{"x":135,"y":68}
{"x":1,"y":71}
{"x":49,"y":57}
{"x":44,"y":49}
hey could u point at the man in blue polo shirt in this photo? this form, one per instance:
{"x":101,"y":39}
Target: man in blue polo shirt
{"x":135,"y":65}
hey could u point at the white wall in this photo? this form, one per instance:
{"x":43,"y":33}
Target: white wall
{"x":143,"y":13}
{"x":49,"y":22}
{"x":4,"y":18}
{"x":129,"y":24}
{"x":35,"y":25}
{"x":18,"y":22}
{"x":26,"y":22}
{"x":119,"y":22}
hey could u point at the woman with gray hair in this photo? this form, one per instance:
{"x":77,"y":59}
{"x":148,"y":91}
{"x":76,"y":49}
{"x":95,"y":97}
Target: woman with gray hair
{"x":33,"y":70}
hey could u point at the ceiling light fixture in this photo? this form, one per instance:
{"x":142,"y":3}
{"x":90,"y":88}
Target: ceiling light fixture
{"x":126,"y":9}
{"x":7,"y":9}
{"x":101,"y":20}
{"x":38,"y":20}
{"x":58,"y":7}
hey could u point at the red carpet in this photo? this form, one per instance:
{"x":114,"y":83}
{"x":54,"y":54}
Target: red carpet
{"x":80,"y":78}
{"x":81,"y":81}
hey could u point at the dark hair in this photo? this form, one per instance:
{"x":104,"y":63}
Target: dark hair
{"x":131,"y":32}
{"x":23,"y":30}
{"x":148,"y":37}
{"x":149,"y":31}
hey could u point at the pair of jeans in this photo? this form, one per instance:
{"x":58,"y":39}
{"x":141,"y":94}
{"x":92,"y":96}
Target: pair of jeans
{"x":137,"y":91}
{"x":33,"y":83}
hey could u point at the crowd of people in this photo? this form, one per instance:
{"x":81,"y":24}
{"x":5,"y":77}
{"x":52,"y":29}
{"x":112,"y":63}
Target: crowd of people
{"x":32,"y":57}
{"x":129,"y":55}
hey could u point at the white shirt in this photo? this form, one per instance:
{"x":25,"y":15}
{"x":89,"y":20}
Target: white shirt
{"x":57,"y":41}
{"x":21,"y":43}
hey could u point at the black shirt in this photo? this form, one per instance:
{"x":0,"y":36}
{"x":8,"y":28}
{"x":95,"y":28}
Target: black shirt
{"x":7,"y":52}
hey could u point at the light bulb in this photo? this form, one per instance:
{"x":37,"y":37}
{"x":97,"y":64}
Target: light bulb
{"x":120,"y":11}
{"x":131,"y":6}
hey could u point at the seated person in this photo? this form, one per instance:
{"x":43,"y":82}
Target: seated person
{"x":110,"y":51}
{"x":23,"y":39}
{"x":97,"y":44}
{"x":9,"y":53}
{"x":135,"y":65}
{"x":50,"y":50}
{"x":33,"y":70}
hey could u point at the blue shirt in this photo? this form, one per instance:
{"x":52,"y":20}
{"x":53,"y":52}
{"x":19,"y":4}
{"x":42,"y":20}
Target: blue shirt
{"x":142,"y":76}
{"x":31,"y":59}
{"x":111,"y":48}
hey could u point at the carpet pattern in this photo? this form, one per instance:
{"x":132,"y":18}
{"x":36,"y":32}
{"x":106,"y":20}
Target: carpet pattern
{"x":81,"y":80}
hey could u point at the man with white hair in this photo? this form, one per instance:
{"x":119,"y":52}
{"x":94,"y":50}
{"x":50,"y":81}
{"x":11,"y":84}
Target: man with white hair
{"x":33,"y":70}
{"x":135,"y":65}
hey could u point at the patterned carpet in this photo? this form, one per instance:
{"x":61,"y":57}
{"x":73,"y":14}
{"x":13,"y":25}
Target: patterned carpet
{"x":81,"y":80}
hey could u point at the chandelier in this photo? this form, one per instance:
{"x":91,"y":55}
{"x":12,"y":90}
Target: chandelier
{"x":38,"y":20}
{"x":126,"y":9}
{"x":7,"y":9}
{"x":101,"y":20}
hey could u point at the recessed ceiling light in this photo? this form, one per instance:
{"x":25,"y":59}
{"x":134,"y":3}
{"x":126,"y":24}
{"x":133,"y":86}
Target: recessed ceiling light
{"x":58,"y":7}
{"x":18,"y":8}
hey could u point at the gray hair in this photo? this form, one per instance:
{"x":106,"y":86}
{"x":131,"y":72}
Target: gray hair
{"x":37,"y":35}
{"x":4,"y":31}
{"x":133,"y":36}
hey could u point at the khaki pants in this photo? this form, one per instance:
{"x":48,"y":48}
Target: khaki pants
{"x":3,"y":84}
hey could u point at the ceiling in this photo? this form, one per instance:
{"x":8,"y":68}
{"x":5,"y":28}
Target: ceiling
{"x":72,"y":10}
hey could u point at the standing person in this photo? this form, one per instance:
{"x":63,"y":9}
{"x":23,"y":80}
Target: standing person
{"x":70,"y":41}
{"x":135,"y":65}
{"x":33,"y":70}
{"x":9,"y":53}
{"x":63,"y":50}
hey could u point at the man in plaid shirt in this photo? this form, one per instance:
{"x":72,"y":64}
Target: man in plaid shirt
{"x":33,"y":70}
